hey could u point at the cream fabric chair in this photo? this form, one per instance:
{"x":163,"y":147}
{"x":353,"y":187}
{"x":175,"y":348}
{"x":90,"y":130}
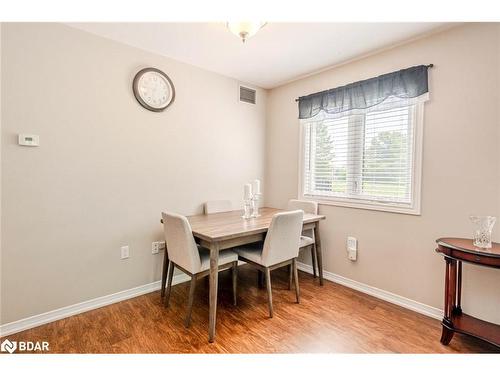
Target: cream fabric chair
{"x":213,"y":207}
{"x":280,"y":248}
{"x":307,"y":240}
{"x":184,"y":254}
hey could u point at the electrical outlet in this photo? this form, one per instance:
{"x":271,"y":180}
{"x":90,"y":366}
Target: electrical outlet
{"x":125,"y":252}
{"x":155,"y":248}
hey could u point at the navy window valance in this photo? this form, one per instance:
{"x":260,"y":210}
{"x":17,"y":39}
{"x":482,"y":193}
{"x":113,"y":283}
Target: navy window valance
{"x":404,"y":87}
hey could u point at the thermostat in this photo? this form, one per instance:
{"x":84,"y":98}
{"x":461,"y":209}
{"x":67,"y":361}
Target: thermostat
{"x":28,"y":140}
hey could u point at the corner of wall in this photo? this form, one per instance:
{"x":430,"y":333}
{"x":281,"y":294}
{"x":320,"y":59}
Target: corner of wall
{"x":1,"y":24}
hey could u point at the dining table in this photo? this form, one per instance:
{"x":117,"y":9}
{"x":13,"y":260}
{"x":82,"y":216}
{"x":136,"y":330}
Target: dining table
{"x":225,"y":230}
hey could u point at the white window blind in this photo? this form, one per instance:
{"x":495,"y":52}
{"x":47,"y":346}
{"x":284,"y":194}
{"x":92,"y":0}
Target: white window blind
{"x":367,"y":159}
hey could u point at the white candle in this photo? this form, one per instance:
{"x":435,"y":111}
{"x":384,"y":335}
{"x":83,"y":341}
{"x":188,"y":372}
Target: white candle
{"x":256,"y":187}
{"x":247,"y":191}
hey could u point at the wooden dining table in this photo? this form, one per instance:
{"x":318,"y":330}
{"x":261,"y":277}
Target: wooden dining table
{"x":226,"y":230}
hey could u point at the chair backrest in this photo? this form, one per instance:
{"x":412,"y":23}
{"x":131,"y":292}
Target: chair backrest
{"x":283,"y":237}
{"x":308,"y":207}
{"x":212,"y":207}
{"x":181,"y":247}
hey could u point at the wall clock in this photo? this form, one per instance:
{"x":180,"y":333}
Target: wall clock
{"x":153,"y":89}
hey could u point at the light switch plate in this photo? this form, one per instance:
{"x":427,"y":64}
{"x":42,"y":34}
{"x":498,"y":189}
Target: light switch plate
{"x":125,"y":252}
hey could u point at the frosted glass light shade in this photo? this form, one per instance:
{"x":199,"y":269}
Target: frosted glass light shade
{"x":244,"y":30}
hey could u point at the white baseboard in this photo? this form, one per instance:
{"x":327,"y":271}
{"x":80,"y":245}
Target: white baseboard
{"x":64,"y":312}
{"x":407,"y":303}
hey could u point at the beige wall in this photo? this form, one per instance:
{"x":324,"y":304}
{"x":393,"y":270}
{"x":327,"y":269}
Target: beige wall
{"x":461,"y":160}
{"x":106,"y":167}
{"x":1,"y":26}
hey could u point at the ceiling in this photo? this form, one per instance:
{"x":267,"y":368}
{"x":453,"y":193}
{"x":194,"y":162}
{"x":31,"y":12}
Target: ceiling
{"x":278,"y":53}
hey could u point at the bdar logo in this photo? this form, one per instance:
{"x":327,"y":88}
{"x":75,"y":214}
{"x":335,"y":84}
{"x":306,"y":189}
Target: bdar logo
{"x":8,"y":346}
{"x":24,"y":346}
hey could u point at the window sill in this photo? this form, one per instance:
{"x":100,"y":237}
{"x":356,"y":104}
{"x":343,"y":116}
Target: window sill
{"x":364,"y":205}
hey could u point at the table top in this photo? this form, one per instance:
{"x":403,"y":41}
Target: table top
{"x":227,"y":225}
{"x":465,"y":244}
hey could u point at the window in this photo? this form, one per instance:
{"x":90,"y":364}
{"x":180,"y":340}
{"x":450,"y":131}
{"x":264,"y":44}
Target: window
{"x":367,"y":160}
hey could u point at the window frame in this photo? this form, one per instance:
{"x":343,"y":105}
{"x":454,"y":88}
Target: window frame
{"x":416,"y":189}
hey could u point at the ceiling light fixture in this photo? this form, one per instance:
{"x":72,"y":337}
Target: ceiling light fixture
{"x":244,"y":30}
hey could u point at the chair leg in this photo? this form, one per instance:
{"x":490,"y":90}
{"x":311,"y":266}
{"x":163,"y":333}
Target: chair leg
{"x":234,"y":274}
{"x":296,"y":277}
{"x":313,"y":259}
{"x":190,"y":301}
{"x":170,"y":275}
{"x":269,"y":292}
{"x":164,"y":272}
{"x":290,"y":276}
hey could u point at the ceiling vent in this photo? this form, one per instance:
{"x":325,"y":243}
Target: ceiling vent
{"x":247,"y":95}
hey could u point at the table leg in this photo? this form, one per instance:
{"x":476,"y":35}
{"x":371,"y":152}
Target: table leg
{"x":313,"y":259}
{"x":214,"y":275}
{"x":450,"y":283}
{"x":164,"y":272}
{"x":458,"y":307}
{"x":319,"y":255}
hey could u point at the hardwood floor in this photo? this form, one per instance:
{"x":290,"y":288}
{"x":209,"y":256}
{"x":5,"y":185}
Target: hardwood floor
{"x":329,"y":319}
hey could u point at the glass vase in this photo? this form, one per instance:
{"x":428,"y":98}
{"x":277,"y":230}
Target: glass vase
{"x":247,"y":209}
{"x":482,"y":230}
{"x":255,"y":206}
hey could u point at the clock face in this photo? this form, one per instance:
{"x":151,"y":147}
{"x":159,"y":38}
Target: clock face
{"x":153,"y":89}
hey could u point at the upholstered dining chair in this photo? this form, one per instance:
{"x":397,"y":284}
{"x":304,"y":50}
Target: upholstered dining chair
{"x":307,"y":240}
{"x":280,"y":249}
{"x":213,"y":207}
{"x":184,"y":254}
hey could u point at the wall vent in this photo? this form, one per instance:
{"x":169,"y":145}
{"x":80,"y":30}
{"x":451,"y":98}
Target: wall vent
{"x":247,"y":95}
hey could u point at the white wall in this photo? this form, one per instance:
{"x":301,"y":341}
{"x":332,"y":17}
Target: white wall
{"x":106,"y":167}
{"x":461,"y":160}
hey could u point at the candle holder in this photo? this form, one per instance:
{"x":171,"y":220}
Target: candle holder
{"x":247,"y":208}
{"x":255,"y":205}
